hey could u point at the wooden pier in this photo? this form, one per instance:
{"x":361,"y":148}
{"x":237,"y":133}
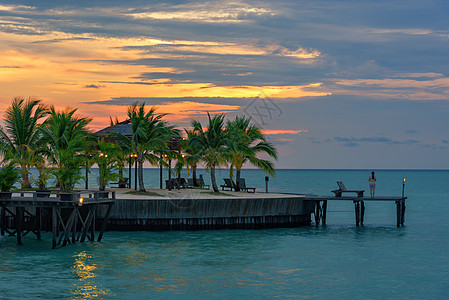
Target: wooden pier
{"x":71,"y":220}
{"x":359,"y":207}
{"x":69,"y":216}
{"x":226,"y":212}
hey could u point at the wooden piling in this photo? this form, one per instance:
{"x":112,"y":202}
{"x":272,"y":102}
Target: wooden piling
{"x":324,"y":211}
{"x":403,"y":213}
{"x":400,"y":212}
{"x":357,"y":213}
{"x":54,"y":226}
{"x":362,"y":212}
{"x":105,"y":221}
{"x":3,"y":220}
{"x":19,"y":220}
{"x":317,"y":213}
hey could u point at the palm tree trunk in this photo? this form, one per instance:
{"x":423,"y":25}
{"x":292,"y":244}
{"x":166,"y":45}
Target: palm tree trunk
{"x":25,"y":179}
{"x":195,"y":183}
{"x":140,"y":171}
{"x":231,"y":176}
{"x":237,"y":179}
{"x":212,"y":178}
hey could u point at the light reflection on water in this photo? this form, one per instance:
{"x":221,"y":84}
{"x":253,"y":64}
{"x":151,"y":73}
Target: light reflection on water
{"x":84,"y":270}
{"x":339,"y":261}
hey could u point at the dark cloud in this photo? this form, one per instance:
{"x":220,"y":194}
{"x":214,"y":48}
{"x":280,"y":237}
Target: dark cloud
{"x":162,"y":100}
{"x":93,"y":86}
{"x":355,"y":141}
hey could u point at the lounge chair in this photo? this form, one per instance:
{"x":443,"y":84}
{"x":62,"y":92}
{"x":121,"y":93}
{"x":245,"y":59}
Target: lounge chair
{"x":174,"y":183}
{"x":243,"y":187}
{"x":227,"y":185}
{"x":202,"y":184}
{"x":190,"y":183}
{"x":122,"y":183}
{"x":342,"y":189}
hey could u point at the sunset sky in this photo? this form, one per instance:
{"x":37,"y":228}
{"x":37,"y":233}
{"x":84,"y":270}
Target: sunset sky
{"x":334,"y":84}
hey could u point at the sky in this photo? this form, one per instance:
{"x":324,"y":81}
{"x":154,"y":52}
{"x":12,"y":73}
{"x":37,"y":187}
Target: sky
{"x":345,"y":84}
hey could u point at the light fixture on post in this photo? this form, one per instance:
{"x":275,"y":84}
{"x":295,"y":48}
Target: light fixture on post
{"x":403,"y":187}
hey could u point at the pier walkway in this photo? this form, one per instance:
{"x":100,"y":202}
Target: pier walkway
{"x":72,"y":217}
{"x":359,"y":207}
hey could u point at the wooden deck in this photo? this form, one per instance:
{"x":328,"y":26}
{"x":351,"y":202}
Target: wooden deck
{"x":70,"y":221}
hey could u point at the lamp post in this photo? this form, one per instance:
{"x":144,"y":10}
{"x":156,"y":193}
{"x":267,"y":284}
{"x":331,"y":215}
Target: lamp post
{"x":87,"y":175}
{"x":88,"y":156}
{"x":403,"y":187}
{"x":102,"y":165}
{"x":160,"y":173}
{"x":129,"y":173}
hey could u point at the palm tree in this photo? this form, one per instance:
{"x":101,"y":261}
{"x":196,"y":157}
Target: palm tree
{"x":211,"y":143}
{"x":66,"y":137}
{"x":19,"y":138}
{"x":149,"y":135}
{"x":192,"y":155}
{"x":248,"y":142}
{"x":107,"y":162}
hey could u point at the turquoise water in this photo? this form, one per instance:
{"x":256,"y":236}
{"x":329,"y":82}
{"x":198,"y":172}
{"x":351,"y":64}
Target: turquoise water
{"x":339,"y":261}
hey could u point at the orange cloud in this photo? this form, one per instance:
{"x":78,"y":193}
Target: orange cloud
{"x":282,"y":131}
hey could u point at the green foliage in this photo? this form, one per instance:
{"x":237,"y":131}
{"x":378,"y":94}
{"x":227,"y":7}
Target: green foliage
{"x":66,"y":139}
{"x":211,"y":144}
{"x":247,"y":143}
{"x":150,"y":135}
{"x":44,"y":175}
{"x":107,"y":162}
{"x":19,"y":138}
{"x":9,"y":175}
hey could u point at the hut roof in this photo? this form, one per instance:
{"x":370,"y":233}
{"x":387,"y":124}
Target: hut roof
{"x":124,"y":128}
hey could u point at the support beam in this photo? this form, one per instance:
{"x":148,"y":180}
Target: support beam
{"x":357,"y":213}
{"x":105,"y":222}
{"x":400,"y":212}
{"x":18,"y":219}
{"x":3,"y":219}
{"x":403,"y":213}
{"x":54,"y":226}
{"x":362,"y":212}
{"x":317,"y":213}
{"x":323,"y":212}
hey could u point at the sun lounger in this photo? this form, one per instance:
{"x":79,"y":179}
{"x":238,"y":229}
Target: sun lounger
{"x":342,"y":189}
{"x":243,"y":187}
{"x":121,"y":183}
{"x":176,"y":183}
{"x":227,"y":185}
{"x":200,"y":183}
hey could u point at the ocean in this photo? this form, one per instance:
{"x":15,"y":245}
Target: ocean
{"x":336,"y":261}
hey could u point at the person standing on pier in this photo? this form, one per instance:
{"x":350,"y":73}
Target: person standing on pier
{"x":372,"y":184}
